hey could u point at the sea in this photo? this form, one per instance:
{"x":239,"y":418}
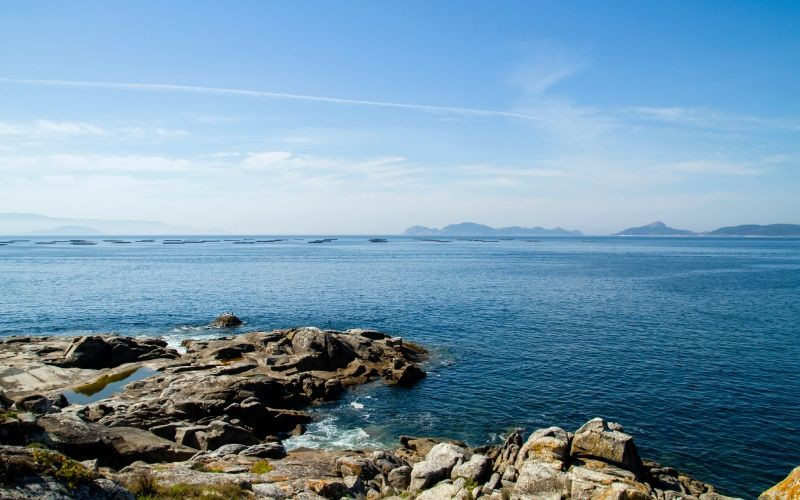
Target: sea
{"x":692,"y":344}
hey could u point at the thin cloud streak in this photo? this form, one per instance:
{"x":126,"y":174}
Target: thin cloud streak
{"x":161,"y":87}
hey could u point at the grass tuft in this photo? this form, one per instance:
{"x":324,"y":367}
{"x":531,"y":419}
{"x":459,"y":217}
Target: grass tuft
{"x":68,"y":471}
{"x":261,"y":467}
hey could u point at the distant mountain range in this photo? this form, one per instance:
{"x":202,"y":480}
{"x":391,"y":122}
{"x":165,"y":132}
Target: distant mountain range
{"x":17,"y":224}
{"x":72,"y":230}
{"x":658,"y":228}
{"x":757,"y":230}
{"x":474,"y":229}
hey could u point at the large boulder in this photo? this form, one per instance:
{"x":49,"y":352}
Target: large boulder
{"x":405,"y":376}
{"x":400,"y":477}
{"x":443,"y":491}
{"x":548,"y":445}
{"x":785,"y":490}
{"x":438,"y":464}
{"x":606,"y":482}
{"x":214,"y":435}
{"x":321,"y":350}
{"x":357,"y":466}
{"x":537,"y":477}
{"x":97,"y":352}
{"x":476,"y":469}
{"x":607,"y":441}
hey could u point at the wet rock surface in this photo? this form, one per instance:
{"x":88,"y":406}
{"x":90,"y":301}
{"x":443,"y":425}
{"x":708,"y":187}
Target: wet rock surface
{"x":209,"y":423}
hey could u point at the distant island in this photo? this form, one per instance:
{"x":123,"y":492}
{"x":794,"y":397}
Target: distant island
{"x":69,"y":230}
{"x":658,"y":228}
{"x":19,"y":224}
{"x":757,"y":230}
{"x":474,"y":229}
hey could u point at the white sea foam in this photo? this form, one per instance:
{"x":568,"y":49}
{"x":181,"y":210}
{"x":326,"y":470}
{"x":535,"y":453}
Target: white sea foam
{"x":327,"y":434}
{"x":185,"y":332}
{"x":357,"y":405}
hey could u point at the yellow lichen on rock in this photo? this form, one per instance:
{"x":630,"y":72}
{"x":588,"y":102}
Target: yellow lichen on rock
{"x":788,"y":489}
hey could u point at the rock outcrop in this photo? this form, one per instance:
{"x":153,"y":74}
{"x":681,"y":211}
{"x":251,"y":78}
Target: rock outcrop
{"x":97,"y":352}
{"x":209,"y":421}
{"x":787,"y":489}
{"x":226,"y":320}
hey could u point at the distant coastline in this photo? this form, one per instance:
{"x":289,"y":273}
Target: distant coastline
{"x":658,"y":228}
{"x":35,"y":225}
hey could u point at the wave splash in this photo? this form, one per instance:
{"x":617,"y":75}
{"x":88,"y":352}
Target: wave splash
{"x":329,"y":434}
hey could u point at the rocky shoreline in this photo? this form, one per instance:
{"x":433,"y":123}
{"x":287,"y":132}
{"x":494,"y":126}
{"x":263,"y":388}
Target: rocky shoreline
{"x":209,"y":421}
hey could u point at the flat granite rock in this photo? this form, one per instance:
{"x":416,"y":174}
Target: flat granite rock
{"x":211,"y":419}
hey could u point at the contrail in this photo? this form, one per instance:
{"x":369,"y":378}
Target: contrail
{"x":162,"y":87}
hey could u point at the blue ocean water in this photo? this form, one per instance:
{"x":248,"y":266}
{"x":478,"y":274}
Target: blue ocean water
{"x":690,"y":343}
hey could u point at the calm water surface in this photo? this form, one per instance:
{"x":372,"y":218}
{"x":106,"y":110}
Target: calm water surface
{"x":691,"y":344}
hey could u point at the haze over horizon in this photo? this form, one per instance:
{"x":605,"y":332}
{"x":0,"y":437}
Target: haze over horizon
{"x":366,"y":118}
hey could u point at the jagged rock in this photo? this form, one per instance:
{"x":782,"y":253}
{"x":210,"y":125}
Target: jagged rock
{"x":232,"y":351}
{"x":787,"y":489}
{"x":416,"y":449}
{"x":357,"y":466}
{"x":608,"y":483}
{"x":264,"y":450}
{"x":213,"y":435}
{"x":606,"y":440}
{"x":322,"y":350}
{"x":550,"y":445}
{"x":492,"y":483}
{"x":404,"y":376}
{"x":510,"y":474}
{"x":167,"y":431}
{"x":476,"y":469}
{"x":400,"y":477}
{"x":113,"y":446}
{"x":19,"y":429}
{"x":108,"y":352}
{"x":226,"y":320}
{"x":35,"y":403}
{"x":5,"y":401}
{"x":329,"y":488}
{"x":508,"y":452}
{"x":355,"y":486}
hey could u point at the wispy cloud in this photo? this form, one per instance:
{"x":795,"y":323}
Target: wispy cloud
{"x":51,"y":129}
{"x":709,"y":118}
{"x":546,"y":65}
{"x":48,"y":127}
{"x":161,"y":87}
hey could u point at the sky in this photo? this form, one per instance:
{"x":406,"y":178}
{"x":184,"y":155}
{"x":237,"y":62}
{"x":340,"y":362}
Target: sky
{"x":359,"y":117}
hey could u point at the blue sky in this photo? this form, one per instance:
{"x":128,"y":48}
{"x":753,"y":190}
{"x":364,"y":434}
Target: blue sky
{"x":368,"y":117}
